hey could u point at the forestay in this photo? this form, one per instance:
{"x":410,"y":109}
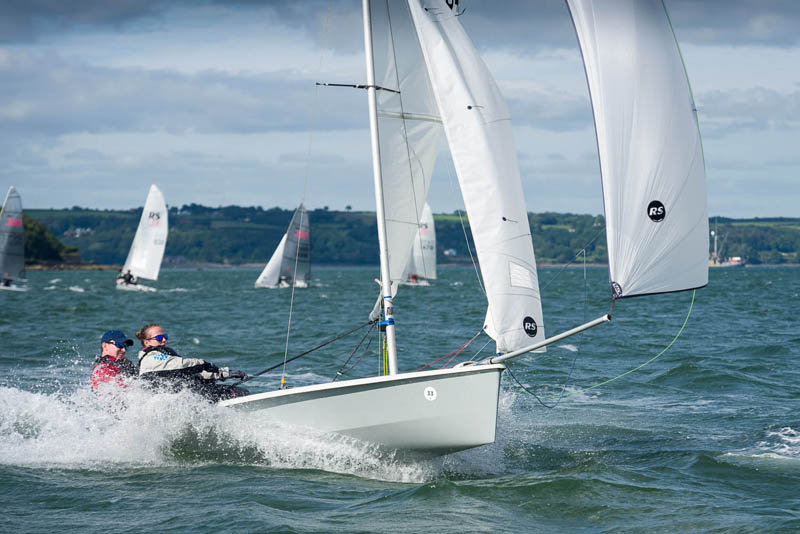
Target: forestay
{"x":12,"y":237}
{"x":147,"y":250}
{"x":478,"y":130}
{"x":651,"y":157}
{"x":409,"y":127}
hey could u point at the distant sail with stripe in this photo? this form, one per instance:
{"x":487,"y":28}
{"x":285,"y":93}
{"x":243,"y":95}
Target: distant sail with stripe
{"x":12,"y":237}
{"x":291,"y":261}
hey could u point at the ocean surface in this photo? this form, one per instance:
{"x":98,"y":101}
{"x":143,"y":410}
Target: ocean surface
{"x":705,"y":438}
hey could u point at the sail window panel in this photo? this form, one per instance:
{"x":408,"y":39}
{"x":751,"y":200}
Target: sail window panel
{"x":519,"y":276}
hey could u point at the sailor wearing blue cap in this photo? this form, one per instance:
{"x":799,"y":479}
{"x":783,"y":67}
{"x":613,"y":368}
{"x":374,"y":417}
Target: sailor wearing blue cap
{"x":112,"y":366}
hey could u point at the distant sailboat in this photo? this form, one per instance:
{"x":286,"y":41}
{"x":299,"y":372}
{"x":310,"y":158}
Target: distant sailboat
{"x":653,"y":177}
{"x":12,"y":244}
{"x":291,"y":261}
{"x":147,"y":249}
{"x":422,"y":264}
{"x":716,"y":260}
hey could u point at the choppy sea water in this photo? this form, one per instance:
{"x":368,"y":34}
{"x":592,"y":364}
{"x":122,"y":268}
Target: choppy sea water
{"x":706,"y":438}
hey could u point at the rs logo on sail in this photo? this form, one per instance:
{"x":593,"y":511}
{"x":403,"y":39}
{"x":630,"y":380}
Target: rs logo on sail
{"x":656,"y":211}
{"x":529,"y":325}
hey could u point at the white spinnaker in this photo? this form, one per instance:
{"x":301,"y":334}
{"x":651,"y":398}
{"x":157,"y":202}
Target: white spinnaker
{"x":409,"y":127}
{"x":478,"y":128}
{"x":147,"y":249}
{"x":651,"y":156}
{"x":271,"y":273}
{"x":423,"y":253}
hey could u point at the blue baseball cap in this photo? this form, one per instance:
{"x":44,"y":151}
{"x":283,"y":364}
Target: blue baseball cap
{"x":116,"y":337}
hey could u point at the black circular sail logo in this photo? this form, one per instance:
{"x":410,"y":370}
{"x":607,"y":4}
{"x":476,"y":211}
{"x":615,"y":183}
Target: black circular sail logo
{"x":656,"y":211}
{"x":529,"y":325}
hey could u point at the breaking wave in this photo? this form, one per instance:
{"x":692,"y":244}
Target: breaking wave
{"x":140,"y":428}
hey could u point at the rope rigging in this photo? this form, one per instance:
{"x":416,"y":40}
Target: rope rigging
{"x":314,"y":110}
{"x":304,"y":353}
{"x":604,"y":382}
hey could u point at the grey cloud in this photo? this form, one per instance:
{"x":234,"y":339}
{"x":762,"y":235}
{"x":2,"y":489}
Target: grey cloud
{"x":736,"y":22}
{"x":26,"y":20}
{"x":758,"y":108}
{"x":303,"y":158}
{"x":49,"y":95}
{"x":520,"y":25}
{"x":87,"y":155}
{"x":553,"y":112}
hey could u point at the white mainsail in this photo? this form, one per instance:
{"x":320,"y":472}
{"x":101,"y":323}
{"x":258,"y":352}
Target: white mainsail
{"x":651,"y":156}
{"x":12,"y":237}
{"x":291,"y":261}
{"x":478,"y":128}
{"x":422,"y":263}
{"x":147,"y":249}
{"x":408,"y":124}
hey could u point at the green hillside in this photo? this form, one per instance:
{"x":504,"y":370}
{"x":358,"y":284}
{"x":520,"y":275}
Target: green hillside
{"x":237,"y":235}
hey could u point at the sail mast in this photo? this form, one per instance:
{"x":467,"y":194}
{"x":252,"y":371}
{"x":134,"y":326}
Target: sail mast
{"x":386,"y":282}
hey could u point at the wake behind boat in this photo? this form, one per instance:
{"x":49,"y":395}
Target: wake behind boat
{"x":147,"y":249}
{"x":12,"y":244}
{"x":654,"y":196}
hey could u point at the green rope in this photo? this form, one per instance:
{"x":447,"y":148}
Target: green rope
{"x":651,"y":360}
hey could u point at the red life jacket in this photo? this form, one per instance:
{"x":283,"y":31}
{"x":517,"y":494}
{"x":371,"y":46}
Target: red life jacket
{"x":107,"y":369}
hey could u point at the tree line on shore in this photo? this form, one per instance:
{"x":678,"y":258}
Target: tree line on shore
{"x":241,"y":235}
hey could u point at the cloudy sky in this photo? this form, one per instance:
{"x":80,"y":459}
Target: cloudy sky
{"x":215,"y":102}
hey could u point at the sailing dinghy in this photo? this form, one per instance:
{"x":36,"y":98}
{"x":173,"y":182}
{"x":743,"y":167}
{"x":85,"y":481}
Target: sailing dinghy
{"x":654,"y":196}
{"x":147,"y":249}
{"x":422,"y":264}
{"x":12,"y":244}
{"x":291,"y":261}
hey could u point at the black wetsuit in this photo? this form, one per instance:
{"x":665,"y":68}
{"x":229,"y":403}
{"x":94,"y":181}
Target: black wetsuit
{"x":190,"y":376}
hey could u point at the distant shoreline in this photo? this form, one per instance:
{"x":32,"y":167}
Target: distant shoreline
{"x":256,"y":266}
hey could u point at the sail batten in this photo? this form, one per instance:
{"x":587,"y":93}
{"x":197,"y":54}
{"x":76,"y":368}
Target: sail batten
{"x":651,"y":158}
{"x":478,"y":130}
{"x":147,"y":250}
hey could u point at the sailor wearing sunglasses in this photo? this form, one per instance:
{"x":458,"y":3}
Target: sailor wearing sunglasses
{"x":164,"y":366}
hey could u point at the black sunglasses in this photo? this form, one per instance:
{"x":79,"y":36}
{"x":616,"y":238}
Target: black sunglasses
{"x":159,"y":337}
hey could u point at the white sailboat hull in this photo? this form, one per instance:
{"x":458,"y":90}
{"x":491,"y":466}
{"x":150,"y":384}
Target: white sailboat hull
{"x":122,"y":286}
{"x":422,"y":282}
{"x":13,"y":287}
{"x":423,"y":414}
